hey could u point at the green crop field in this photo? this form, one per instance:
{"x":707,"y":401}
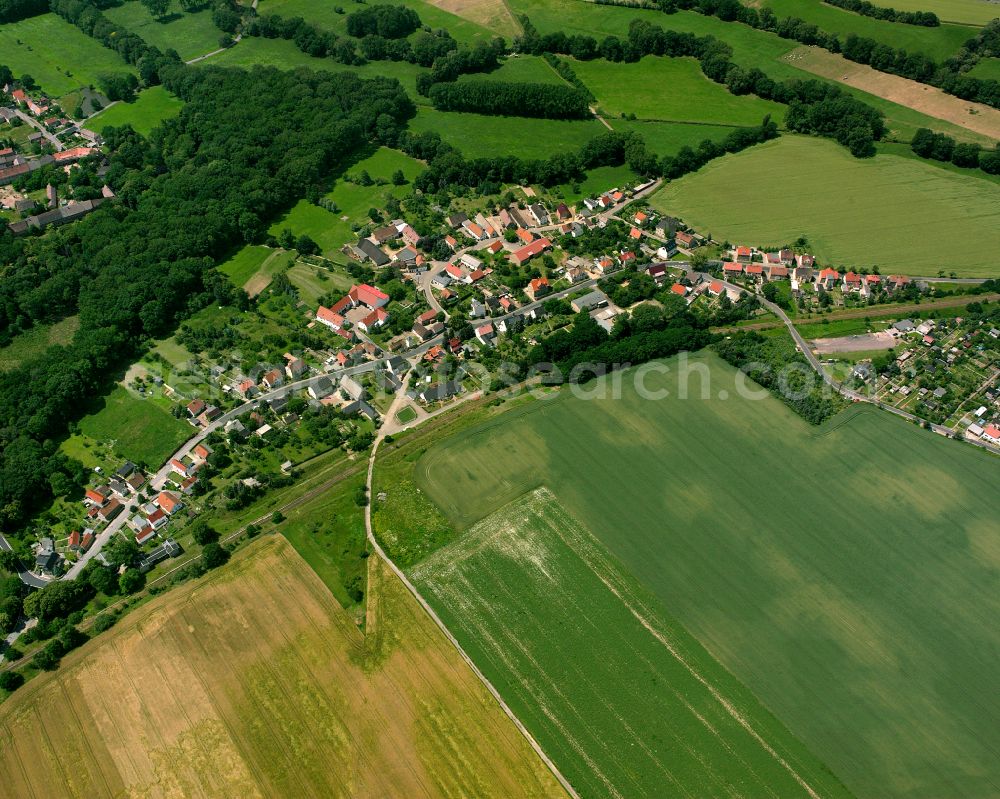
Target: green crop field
{"x":670,"y":89}
{"x":58,"y":55}
{"x":886,"y":211}
{"x":141,"y":430}
{"x":549,"y":617}
{"x":939,"y":43}
{"x":845,"y":575}
{"x":244,"y":264}
{"x":151,"y":107}
{"x":332,"y":230}
{"x":190,"y":34}
{"x":480,"y":136}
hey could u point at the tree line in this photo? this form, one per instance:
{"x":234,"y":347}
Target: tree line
{"x":14,"y":10}
{"x":926,"y":19}
{"x":494,"y":97}
{"x":948,"y":76}
{"x":245,"y":145}
{"x":941,"y":147}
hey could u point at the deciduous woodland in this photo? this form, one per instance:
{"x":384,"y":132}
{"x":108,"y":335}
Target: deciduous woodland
{"x":246,"y":145}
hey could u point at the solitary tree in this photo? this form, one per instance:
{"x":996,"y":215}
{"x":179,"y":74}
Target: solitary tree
{"x":158,"y":8}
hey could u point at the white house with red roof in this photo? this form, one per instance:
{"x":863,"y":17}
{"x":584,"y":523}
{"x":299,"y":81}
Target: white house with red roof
{"x":732,"y":269}
{"x":529,"y":251}
{"x":538,"y":287}
{"x":376,"y":319}
{"x":744,"y":254}
{"x":486,"y":334}
{"x":369,"y":296}
{"x":852,"y":282}
{"x":828,"y":278}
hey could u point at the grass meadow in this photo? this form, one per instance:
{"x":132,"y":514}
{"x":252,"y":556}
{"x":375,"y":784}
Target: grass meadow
{"x":332,"y":230}
{"x":58,"y":55}
{"x":480,"y":136}
{"x":852,"y":211}
{"x":986,"y":69}
{"x":968,"y":12}
{"x":520,"y":68}
{"x":624,"y":701}
{"x":33,"y":342}
{"x":190,"y":34}
{"x":141,"y":430}
{"x":845,"y":575}
{"x":151,"y":107}
{"x":670,"y":90}
{"x":193,"y":695}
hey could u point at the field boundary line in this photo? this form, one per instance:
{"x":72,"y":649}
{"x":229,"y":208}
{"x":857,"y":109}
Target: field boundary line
{"x":454,"y":641}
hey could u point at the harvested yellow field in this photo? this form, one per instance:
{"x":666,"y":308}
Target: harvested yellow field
{"x":254,"y":682}
{"x":929,"y":100}
{"x":492,"y":14}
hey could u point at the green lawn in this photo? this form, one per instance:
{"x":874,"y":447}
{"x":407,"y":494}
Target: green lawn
{"x":845,"y":575}
{"x":939,"y":43}
{"x":618,"y":694}
{"x":852,"y":211}
{"x":671,"y":90}
{"x":36,"y":340}
{"x":191,"y":35}
{"x":58,"y":55}
{"x":323,"y":15}
{"x":141,"y":430}
{"x":406,"y":415}
{"x":313,"y":282}
{"x":151,"y":107}
{"x":597,"y":182}
{"x":479,"y":136}
{"x":332,"y":230}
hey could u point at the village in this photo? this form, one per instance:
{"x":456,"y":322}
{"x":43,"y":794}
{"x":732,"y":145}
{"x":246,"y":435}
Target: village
{"x":410,"y":324}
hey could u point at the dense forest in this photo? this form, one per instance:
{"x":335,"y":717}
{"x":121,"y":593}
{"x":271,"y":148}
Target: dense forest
{"x":942,"y":147}
{"x":13,"y":10}
{"x":544,"y":100}
{"x":246,"y":145}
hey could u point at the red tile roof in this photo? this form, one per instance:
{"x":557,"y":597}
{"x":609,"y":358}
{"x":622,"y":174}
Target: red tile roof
{"x":531,"y":250}
{"x":732,"y":266}
{"x":679,"y":290}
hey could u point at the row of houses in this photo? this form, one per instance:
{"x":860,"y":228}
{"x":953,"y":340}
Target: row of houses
{"x":801,"y":268}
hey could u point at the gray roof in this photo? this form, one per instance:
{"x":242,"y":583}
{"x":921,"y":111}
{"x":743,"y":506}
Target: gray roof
{"x":441,"y":391}
{"x":373,"y":252}
{"x":56,"y":216}
{"x":594,"y":299}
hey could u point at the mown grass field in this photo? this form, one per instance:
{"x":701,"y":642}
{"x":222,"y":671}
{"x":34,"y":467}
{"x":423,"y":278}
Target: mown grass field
{"x":885,"y":211}
{"x":847,"y":576}
{"x":939,"y":43}
{"x":480,"y":136}
{"x":245,"y":263}
{"x":986,"y":69}
{"x":619,"y":695}
{"x":36,"y":340}
{"x":254,"y":682}
{"x":526,"y":68}
{"x":672,"y":90}
{"x":151,"y":107}
{"x":141,"y":430}
{"x":58,"y":55}
{"x":190,"y":34}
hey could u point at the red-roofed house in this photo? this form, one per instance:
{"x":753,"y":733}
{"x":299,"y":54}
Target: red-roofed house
{"x":685,"y":240}
{"x":330,"y":318}
{"x":73,"y":154}
{"x":375,"y":319}
{"x":109,"y":511}
{"x":19,"y":96}
{"x":744,"y":255}
{"x":626,"y":257}
{"x":494,"y":247}
{"x":476,"y":275}
{"x":715,"y":288}
{"x":732,"y":268}
{"x":201,"y":452}
{"x":679,"y":290}
{"x":640,"y":218}
{"x":95,"y":497}
{"x":455,"y":345}
{"x":144,"y":534}
{"x":852,"y":281}
{"x":755,"y":271}
{"x":247,"y":388}
{"x":474,"y":231}
{"x":168,"y":503}
{"x":777,"y":272}
{"x":363,"y":294}
{"x":451,"y":241}
{"x":74,"y":540}
{"x":525,"y":235}
{"x":897,"y":281}
{"x":88,"y":539}
{"x":538,"y":287}
{"x":273,"y":379}
{"x":486,"y":334}
{"x":992,"y":434}
{"x":427,"y":317}
{"x":828,"y":278}
{"x":194,"y":407}
{"x":529,"y":251}
{"x":157,"y":519}
{"x":410,"y":236}
{"x":635,"y":233}
{"x":604,"y":265}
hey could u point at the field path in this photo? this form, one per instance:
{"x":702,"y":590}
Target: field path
{"x":373,"y":542}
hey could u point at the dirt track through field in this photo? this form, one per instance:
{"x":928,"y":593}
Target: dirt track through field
{"x":928,"y":100}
